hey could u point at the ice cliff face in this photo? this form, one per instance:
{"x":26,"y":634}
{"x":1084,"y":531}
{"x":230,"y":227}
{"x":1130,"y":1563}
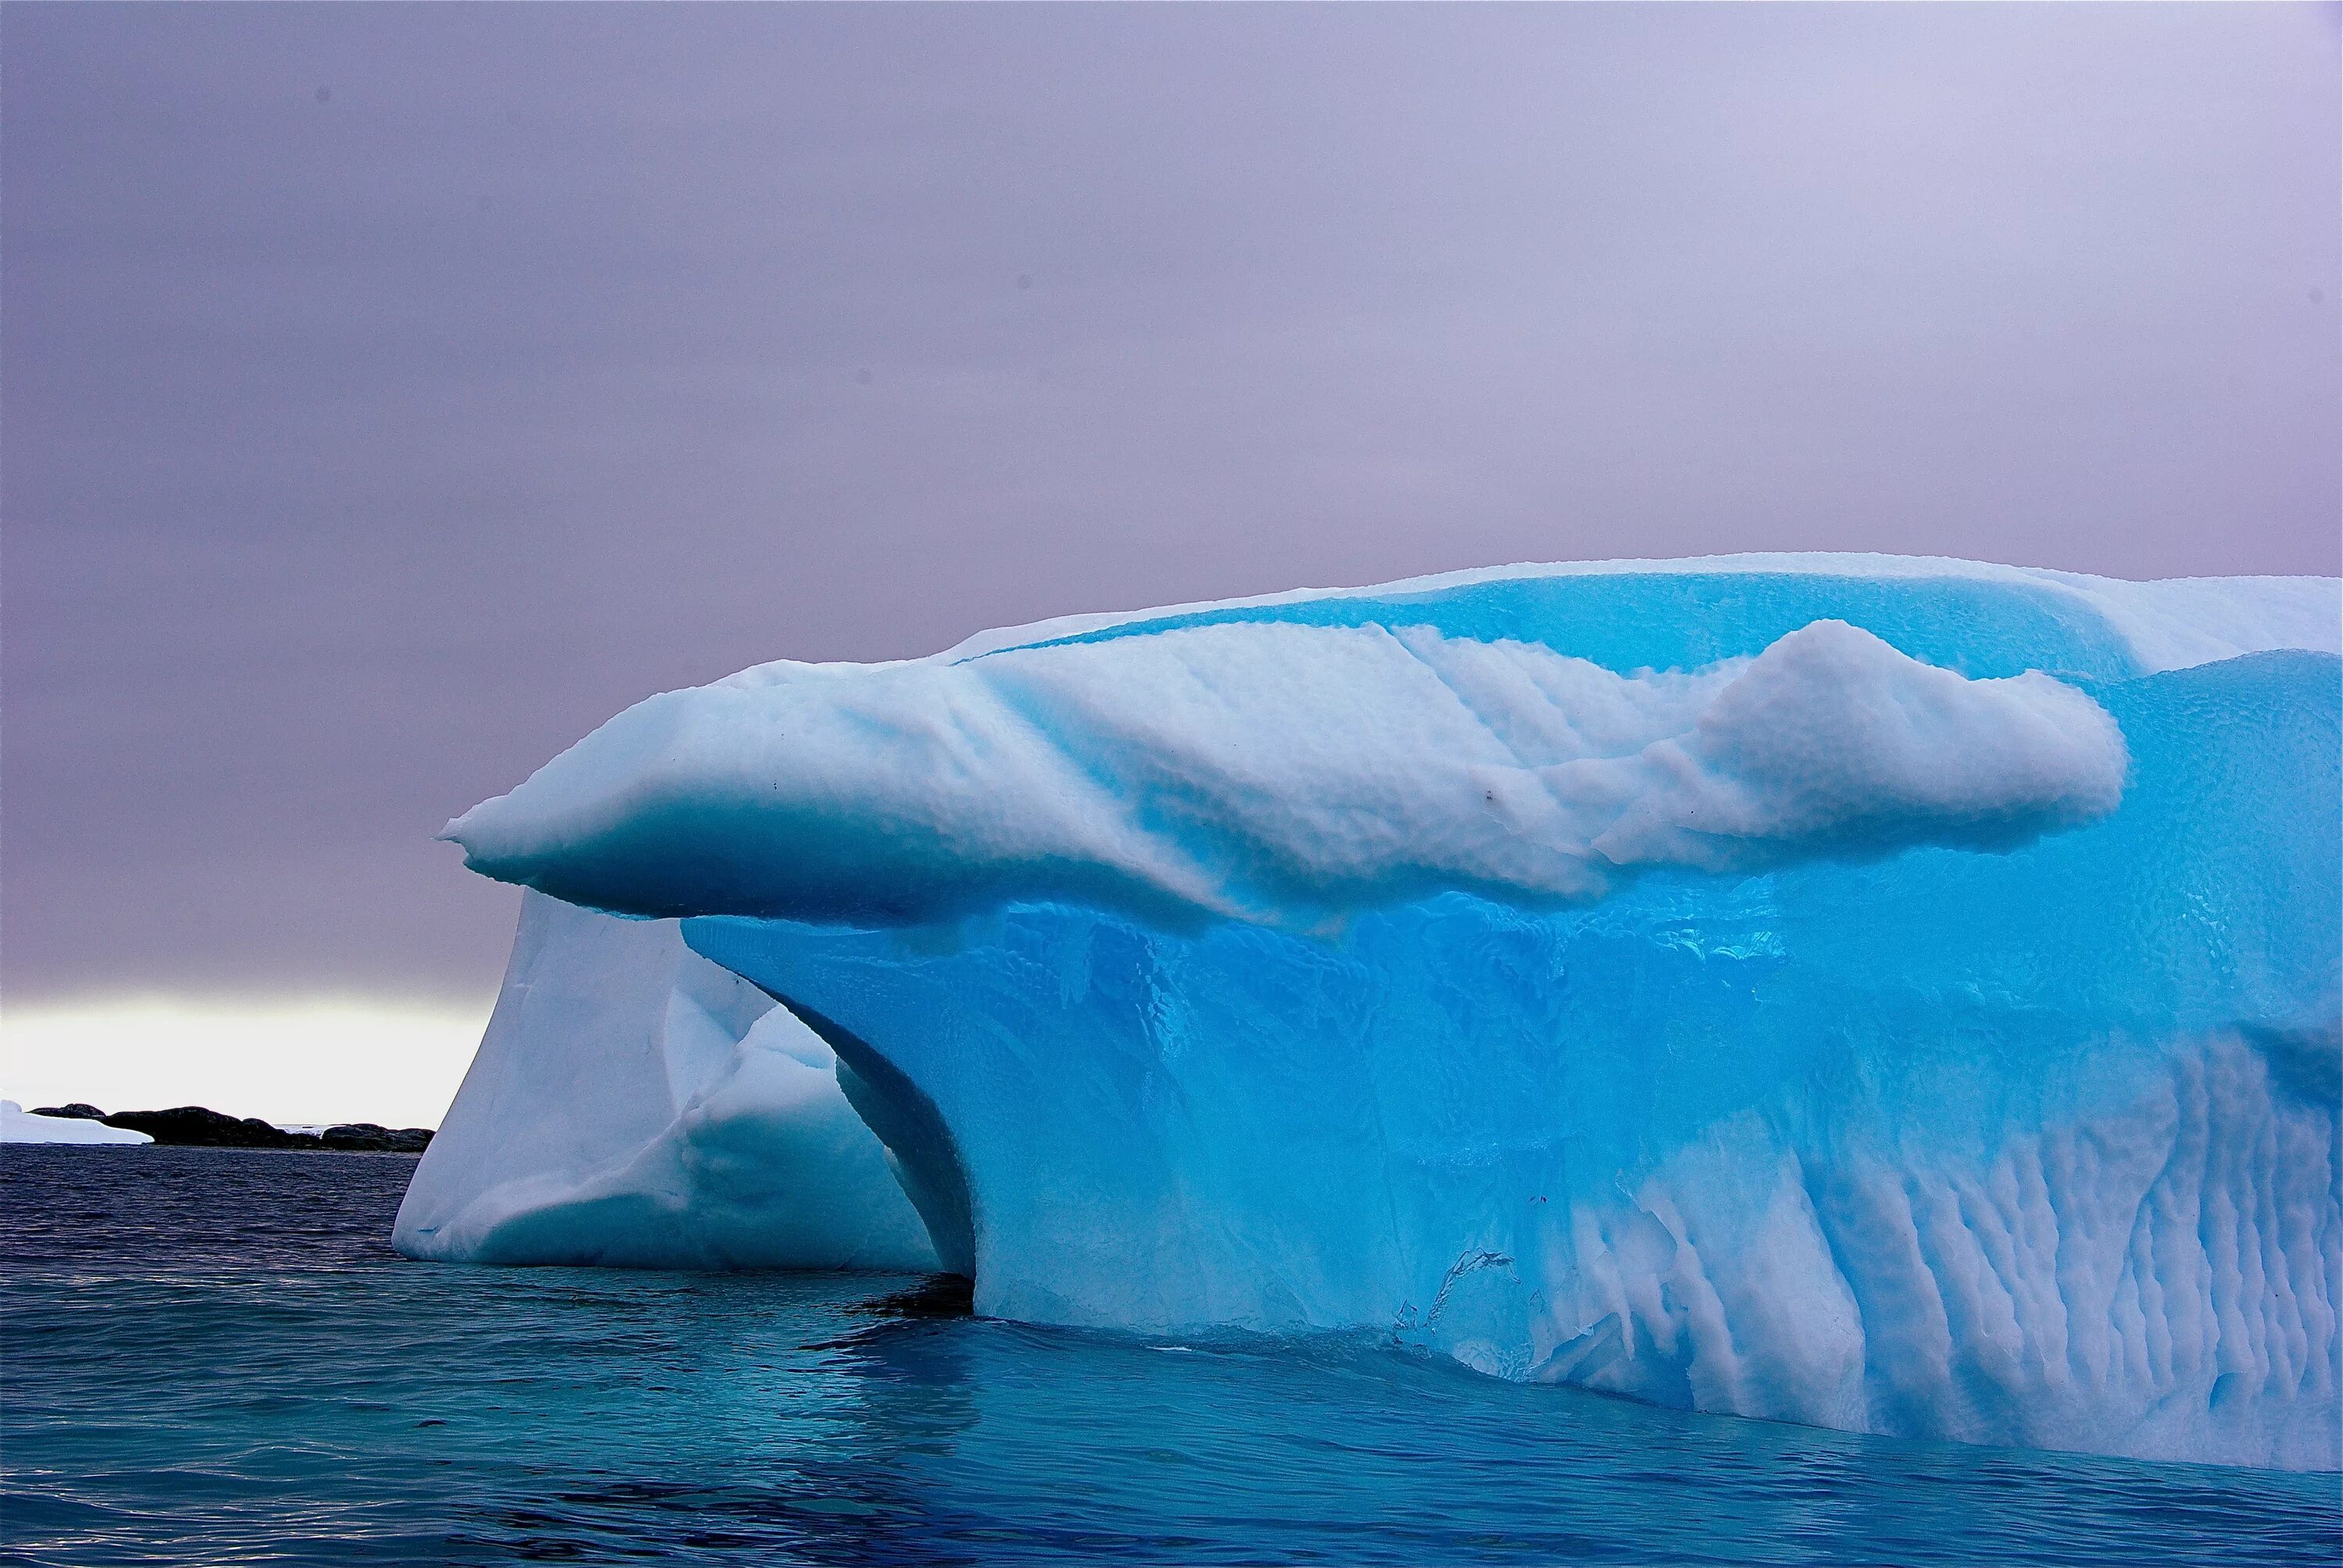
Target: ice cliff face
{"x":1895,"y":995}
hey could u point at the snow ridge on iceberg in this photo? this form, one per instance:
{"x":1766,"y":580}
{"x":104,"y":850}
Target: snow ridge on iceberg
{"x":1288,"y":775}
{"x":1901,"y":996}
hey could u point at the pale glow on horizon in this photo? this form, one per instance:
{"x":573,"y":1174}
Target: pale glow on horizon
{"x":320,"y":1059}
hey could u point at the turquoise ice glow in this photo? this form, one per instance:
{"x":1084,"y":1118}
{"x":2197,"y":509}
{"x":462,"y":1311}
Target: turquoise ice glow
{"x":1960,"y":1060}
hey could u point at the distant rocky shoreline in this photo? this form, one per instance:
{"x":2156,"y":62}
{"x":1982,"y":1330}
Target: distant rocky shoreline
{"x":199,"y":1127}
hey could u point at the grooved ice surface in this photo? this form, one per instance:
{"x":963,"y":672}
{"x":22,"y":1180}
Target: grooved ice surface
{"x":1895,"y":995}
{"x":634,"y":1104}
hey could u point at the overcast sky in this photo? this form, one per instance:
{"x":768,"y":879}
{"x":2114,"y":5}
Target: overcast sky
{"x":391,"y":393}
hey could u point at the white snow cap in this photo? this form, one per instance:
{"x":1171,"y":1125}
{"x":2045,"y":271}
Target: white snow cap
{"x":1282,"y":773}
{"x":1830,"y":739}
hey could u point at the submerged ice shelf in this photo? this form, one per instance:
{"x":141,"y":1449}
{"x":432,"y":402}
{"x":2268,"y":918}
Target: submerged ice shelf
{"x":1893,"y":995}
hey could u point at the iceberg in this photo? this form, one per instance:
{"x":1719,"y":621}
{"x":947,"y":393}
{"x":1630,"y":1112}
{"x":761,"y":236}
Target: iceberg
{"x":1896,"y":995}
{"x":633,"y":1104}
{"x":18,"y":1125}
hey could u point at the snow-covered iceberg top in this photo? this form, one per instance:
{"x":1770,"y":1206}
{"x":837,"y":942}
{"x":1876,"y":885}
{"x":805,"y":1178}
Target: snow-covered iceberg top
{"x":2172,"y":623}
{"x":1292,"y":762}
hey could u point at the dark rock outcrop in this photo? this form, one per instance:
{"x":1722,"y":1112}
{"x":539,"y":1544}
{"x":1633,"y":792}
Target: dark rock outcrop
{"x":365,"y":1135}
{"x":77,"y":1111}
{"x":195,"y":1126}
{"x":198,"y":1126}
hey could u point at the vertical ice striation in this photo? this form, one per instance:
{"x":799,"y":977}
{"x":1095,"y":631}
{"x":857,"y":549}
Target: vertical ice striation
{"x":1899,"y":996}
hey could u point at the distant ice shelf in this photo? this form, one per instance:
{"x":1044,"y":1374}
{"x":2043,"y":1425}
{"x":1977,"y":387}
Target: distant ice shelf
{"x":18,"y":1125}
{"x":1896,"y":995}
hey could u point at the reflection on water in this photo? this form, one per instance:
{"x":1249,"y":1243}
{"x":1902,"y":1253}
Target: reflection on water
{"x":211,"y":1356}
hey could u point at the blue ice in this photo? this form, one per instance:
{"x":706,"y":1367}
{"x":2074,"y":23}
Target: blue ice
{"x":1893,"y":995}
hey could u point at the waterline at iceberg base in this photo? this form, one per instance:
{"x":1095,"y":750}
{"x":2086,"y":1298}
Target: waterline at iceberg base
{"x":1892,"y":995}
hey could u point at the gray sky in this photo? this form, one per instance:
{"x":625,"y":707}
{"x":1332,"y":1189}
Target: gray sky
{"x":391,"y":393}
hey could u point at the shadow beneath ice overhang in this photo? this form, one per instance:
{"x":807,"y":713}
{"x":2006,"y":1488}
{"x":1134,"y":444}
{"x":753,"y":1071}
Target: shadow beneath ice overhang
{"x":937,"y":1296}
{"x":920,"y":1146}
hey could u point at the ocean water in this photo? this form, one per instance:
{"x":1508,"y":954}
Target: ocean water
{"x":213,"y":1357}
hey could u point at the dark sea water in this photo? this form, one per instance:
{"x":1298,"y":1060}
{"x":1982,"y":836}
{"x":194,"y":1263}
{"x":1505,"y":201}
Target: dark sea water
{"x":213,"y":1356}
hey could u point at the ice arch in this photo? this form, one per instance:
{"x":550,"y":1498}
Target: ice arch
{"x":1895,"y":995}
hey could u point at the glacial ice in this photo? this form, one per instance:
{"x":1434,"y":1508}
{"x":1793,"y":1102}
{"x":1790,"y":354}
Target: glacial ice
{"x":18,"y":1125}
{"x":631,"y":1103}
{"x":1895,"y":995}
{"x":1407,"y":763}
